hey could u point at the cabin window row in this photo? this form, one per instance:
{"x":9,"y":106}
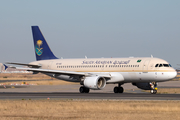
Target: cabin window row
{"x":97,"y":66}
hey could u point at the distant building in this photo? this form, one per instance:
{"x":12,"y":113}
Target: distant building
{"x":1,"y":67}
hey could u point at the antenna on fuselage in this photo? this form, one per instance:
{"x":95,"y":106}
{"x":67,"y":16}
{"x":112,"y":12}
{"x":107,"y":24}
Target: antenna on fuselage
{"x":151,"y":56}
{"x":86,"y":57}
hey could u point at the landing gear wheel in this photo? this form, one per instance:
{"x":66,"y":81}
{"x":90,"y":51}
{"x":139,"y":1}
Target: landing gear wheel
{"x":83,"y":89}
{"x":86,"y":90}
{"x":121,"y":89}
{"x":118,"y":89}
{"x":153,"y":91}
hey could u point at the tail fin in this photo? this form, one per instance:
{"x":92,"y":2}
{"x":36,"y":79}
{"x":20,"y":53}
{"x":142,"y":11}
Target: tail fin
{"x":42,"y":50}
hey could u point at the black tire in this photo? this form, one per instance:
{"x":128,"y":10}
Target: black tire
{"x":86,"y":90}
{"x":82,"y":89}
{"x":154,"y":91}
{"x":116,"y":89}
{"x":121,"y":89}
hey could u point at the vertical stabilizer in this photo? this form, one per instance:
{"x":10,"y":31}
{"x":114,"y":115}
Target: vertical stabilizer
{"x":42,"y":50}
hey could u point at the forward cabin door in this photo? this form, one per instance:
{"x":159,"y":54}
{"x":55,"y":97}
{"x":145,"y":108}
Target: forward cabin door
{"x":145,"y":66}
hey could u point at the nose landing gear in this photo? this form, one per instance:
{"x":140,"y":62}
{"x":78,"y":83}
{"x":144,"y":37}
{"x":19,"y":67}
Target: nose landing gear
{"x":153,"y":88}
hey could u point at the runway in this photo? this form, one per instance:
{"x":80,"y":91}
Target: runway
{"x":60,"y":95}
{"x":72,"y":92}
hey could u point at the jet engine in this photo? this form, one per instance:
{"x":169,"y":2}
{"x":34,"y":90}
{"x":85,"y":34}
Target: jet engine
{"x":95,"y":82}
{"x":144,"y":86}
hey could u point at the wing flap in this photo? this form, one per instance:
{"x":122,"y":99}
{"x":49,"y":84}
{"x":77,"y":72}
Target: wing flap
{"x":53,"y":71}
{"x":64,"y":72}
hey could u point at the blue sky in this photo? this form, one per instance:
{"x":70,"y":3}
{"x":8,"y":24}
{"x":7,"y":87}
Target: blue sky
{"x":95,"y":28}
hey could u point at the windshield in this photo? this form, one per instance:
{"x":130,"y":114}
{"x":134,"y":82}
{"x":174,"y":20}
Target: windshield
{"x":163,"y":65}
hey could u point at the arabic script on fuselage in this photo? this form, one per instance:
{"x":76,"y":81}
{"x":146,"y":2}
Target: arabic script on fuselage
{"x":105,"y":62}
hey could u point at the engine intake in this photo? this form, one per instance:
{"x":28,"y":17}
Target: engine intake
{"x":95,"y":82}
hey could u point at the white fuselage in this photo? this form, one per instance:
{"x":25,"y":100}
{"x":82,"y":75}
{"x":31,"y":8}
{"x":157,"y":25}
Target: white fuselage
{"x":121,"y":70}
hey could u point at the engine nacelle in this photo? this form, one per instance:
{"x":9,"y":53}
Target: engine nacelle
{"x":144,"y":86}
{"x":95,"y":82}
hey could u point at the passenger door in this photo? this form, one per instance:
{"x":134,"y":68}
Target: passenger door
{"x":145,"y":66}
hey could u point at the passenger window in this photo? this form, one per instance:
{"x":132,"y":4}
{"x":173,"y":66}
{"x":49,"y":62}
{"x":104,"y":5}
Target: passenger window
{"x":157,"y":65}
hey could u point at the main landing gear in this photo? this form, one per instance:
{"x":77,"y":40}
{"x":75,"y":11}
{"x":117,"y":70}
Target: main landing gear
{"x":83,"y":89}
{"x":153,"y":88}
{"x":118,"y":89}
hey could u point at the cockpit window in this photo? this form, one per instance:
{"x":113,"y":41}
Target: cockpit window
{"x":165,"y":65}
{"x":157,"y":65}
{"x":160,"y":65}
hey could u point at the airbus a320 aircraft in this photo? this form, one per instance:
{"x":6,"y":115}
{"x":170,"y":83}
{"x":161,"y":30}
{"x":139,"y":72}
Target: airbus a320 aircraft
{"x":95,"y":73}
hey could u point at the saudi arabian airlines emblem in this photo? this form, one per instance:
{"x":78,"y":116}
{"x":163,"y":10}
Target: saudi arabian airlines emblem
{"x":39,"y":50}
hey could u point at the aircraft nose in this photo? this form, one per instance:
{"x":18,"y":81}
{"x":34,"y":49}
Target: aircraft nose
{"x":173,"y":74}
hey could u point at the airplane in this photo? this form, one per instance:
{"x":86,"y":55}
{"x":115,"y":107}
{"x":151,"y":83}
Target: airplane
{"x":96,"y":73}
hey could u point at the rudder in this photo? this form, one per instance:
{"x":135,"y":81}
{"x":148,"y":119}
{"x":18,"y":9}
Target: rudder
{"x":42,"y":50}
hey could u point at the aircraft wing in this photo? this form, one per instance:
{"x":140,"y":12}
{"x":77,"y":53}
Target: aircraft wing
{"x":52,"y":71}
{"x":35,"y":68}
{"x":29,"y":65}
{"x":62,"y":72}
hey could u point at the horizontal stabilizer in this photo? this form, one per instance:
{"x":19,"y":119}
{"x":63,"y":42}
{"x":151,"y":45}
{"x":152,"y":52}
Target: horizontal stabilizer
{"x":5,"y":66}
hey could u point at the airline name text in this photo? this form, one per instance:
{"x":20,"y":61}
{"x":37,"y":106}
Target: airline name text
{"x":105,"y":62}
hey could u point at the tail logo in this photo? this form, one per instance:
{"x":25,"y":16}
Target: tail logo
{"x":39,"y":50}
